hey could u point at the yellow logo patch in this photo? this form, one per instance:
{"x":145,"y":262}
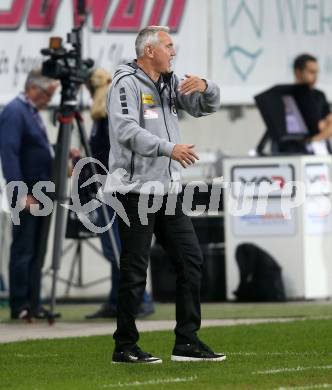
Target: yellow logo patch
{"x":147,"y":99}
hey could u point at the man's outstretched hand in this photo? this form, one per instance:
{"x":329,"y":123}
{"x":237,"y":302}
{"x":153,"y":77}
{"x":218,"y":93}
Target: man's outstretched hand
{"x":184,"y":154}
{"x":192,"y":84}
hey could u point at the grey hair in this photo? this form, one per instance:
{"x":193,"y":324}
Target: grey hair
{"x":36,"y":78}
{"x":148,"y":36}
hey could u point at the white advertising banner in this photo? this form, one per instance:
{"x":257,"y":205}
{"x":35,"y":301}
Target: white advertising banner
{"x":272,"y":222}
{"x":261,"y":181}
{"x":318,"y":211}
{"x":317,"y":177}
{"x":318,"y":215}
{"x":108,"y":35}
{"x":259,"y":39}
{"x":260,"y":200}
{"x":244,"y":45}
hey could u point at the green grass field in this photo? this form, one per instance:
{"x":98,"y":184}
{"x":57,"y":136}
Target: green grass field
{"x":295,"y":355}
{"x":284,"y":356}
{"x":314,"y":309}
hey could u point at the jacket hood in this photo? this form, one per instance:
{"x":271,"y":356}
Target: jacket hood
{"x":125,"y":70}
{"x":133,"y":69}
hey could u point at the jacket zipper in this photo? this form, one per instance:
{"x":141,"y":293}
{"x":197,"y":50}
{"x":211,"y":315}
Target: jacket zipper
{"x":132,"y":166}
{"x":162,"y":106}
{"x":169,"y":137}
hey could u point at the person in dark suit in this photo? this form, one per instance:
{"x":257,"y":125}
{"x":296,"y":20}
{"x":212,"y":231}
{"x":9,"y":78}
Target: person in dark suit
{"x":306,"y":70}
{"x":26,"y":156}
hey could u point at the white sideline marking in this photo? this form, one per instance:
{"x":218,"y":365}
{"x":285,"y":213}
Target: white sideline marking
{"x":321,"y":386}
{"x":286,"y":353}
{"x":152,"y":382}
{"x":295,"y":369}
{"x":36,"y":355}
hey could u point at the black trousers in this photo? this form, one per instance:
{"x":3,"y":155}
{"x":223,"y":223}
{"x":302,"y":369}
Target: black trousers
{"x":25,"y":266}
{"x":177,"y":236}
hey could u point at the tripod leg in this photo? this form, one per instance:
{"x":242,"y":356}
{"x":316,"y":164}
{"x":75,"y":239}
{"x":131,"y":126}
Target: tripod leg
{"x":70,"y":280}
{"x":88,"y":153}
{"x":79,"y":255}
{"x":62,"y":155}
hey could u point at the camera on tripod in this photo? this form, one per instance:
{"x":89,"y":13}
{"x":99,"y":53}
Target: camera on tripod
{"x":67,"y":65}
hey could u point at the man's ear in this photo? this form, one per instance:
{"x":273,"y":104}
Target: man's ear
{"x":149,"y":51}
{"x":298,"y":74}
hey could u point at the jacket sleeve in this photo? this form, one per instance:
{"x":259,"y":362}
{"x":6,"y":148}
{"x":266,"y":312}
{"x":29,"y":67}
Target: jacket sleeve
{"x":199,"y":104}
{"x":124,"y":108}
{"x":11,"y":134}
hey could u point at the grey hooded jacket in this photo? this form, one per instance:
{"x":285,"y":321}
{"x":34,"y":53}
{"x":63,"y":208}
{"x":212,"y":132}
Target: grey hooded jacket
{"x":143,"y":125}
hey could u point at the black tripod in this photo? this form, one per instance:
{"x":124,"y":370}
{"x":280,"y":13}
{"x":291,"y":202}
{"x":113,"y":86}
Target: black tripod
{"x":67,"y":66}
{"x":77,"y":263}
{"x":66,"y":117}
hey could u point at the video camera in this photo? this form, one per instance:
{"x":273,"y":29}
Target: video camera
{"x":67,"y":65}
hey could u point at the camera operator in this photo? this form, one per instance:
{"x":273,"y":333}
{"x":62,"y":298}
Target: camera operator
{"x":26,"y":156}
{"x":98,"y":85}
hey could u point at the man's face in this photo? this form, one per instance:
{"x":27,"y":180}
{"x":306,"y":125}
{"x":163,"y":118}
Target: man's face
{"x":309,"y":74}
{"x":163,"y":53}
{"x":40,"y":96}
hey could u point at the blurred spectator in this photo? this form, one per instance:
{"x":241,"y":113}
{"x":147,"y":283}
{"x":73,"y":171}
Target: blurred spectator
{"x":306,"y":71}
{"x":26,"y":156}
{"x":100,"y":147}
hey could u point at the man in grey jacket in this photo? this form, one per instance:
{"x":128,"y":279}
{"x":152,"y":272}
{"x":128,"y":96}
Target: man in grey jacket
{"x":143,"y":102}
